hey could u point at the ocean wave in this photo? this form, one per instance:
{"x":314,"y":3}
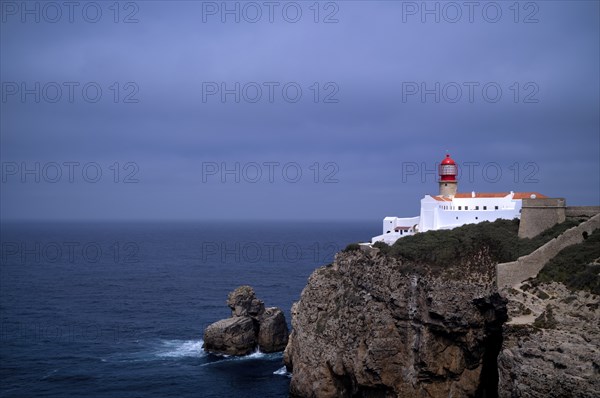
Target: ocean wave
{"x":181,"y":349}
{"x":159,"y":350}
{"x":282,"y":371}
{"x":256,"y":355}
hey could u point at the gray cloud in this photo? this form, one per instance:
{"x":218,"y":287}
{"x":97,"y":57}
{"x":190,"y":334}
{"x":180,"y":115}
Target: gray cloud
{"x":368,"y":134}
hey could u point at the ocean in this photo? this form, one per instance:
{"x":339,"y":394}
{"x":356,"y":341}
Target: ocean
{"x":118,"y":309}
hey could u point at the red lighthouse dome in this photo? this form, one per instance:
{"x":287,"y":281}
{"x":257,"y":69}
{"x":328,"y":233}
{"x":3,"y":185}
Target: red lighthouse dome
{"x":448,"y":169}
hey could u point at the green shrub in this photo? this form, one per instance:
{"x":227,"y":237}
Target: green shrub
{"x":352,"y":247}
{"x":574,"y":266}
{"x":383,"y":247}
{"x":499,"y":237}
{"x":528,"y":245}
{"x":569,"y":299}
{"x":542,"y":295}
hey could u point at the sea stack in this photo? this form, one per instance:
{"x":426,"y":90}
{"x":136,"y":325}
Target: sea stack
{"x":250,"y":327}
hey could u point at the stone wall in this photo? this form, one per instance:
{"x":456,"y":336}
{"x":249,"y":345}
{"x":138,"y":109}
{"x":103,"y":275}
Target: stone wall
{"x":513,"y":273}
{"x":537,"y":215}
{"x":582,"y":211}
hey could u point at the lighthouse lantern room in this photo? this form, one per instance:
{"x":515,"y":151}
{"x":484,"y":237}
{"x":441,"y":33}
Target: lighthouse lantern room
{"x":448,"y":182}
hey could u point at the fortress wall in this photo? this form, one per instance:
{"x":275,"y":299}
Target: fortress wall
{"x":582,"y":211}
{"x":537,"y":215}
{"x":513,"y":273}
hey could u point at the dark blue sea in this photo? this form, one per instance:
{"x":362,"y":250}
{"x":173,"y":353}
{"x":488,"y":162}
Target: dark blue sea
{"x":118,"y":309}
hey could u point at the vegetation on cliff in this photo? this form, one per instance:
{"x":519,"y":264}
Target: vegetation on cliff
{"x":446,"y":246}
{"x":577,"y":266}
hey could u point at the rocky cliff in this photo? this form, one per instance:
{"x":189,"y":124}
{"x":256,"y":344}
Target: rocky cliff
{"x":373,"y":326}
{"x":551,"y":344}
{"x":552,"y":341}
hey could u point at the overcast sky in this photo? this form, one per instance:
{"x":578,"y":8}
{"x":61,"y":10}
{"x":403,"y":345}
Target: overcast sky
{"x":287,"y":110}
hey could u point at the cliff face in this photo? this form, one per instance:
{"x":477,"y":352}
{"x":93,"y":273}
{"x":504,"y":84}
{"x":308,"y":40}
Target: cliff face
{"x":552,"y":343}
{"x":371,"y":326}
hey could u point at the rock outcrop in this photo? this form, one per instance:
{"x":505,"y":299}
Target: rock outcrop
{"x":243,"y":302}
{"x":273,"y":332}
{"x":551,"y":344}
{"x":233,"y":336}
{"x":369,"y":325}
{"x":251,"y":326}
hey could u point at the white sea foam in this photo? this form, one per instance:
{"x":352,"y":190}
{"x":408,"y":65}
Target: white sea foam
{"x":181,"y":348}
{"x":282,"y":371}
{"x":49,"y":374}
{"x":256,"y":355}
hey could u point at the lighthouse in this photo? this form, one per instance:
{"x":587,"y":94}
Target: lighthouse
{"x":448,"y":172}
{"x":450,"y":209}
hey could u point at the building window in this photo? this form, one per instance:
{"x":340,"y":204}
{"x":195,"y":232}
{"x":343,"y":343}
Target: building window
{"x":484,"y":207}
{"x":495,"y":207}
{"x":457,"y":218}
{"x":477,"y":218}
{"x":466,"y":207}
{"x":387,"y":232}
{"x":459,"y":207}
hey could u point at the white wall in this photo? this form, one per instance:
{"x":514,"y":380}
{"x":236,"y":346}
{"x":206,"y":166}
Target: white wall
{"x":455,"y":218}
{"x":428,"y":209}
{"x":437,"y":214}
{"x":390,"y":223}
{"x":390,"y":238}
{"x":444,"y":219}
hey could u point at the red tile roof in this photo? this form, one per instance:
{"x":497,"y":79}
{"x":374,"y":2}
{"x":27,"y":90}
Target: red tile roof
{"x":482,"y":195}
{"x":403,"y":228}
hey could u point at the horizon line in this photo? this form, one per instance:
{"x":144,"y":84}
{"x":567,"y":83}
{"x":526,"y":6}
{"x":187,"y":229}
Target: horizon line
{"x":17,"y":220}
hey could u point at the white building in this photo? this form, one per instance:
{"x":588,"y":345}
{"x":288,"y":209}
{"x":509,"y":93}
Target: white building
{"x":450,"y":209}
